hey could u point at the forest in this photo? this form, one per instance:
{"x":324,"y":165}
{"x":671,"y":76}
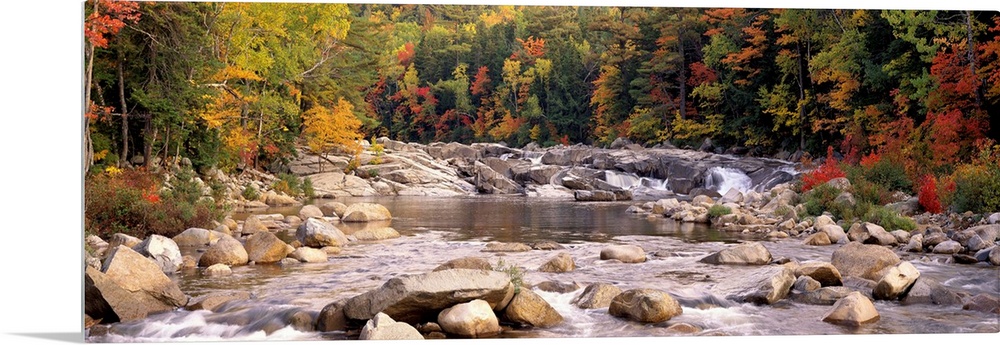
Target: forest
{"x":232,"y":85}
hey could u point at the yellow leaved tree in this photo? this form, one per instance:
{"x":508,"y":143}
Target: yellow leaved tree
{"x":332,"y":129}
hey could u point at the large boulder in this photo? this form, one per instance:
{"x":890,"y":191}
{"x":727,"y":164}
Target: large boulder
{"x":163,"y":251}
{"x":473,"y":319}
{"x":197,"y":237}
{"x":870,"y":234}
{"x":562,"y":262}
{"x":365,"y":212}
{"x":748,"y":253}
{"x":227,"y":250}
{"x":915,"y":244}
{"x":333,"y":209}
{"x":896,"y":281}
{"x":761,"y":286}
{"x":823,"y":272}
{"x":383,"y":327}
{"x":306,"y":254}
{"x":866,"y":261}
{"x":265,"y":247}
{"x":644,"y":305}
{"x":624,"y":253}
{"x":594,"y":195}
{"x":820,"y":238}
{"x":310,"y":211}
{"x":528,"y":308}
{"x":253,"y":224}
{"x":948,"y":247}
{"x":421,"y":297}
{"x":120,"y":239}
{"x":470,"y":262}
{"x":506,"y":247}
{"x":833,"y":231}
{"x":855,"y":309}
{"x":128,"y":287}
{"x":376,"y":234}
{"x":994,"y":256}
{"x":318,"y":233}
{"x":596,"y":296}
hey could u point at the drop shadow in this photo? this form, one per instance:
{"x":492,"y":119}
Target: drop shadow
{"x":67,"y":337}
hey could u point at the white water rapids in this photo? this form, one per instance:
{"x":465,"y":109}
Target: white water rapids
{"x":439,"y":229}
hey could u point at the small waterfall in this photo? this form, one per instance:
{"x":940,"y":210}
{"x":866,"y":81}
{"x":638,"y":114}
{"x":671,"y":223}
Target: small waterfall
{"x":655,"y":184}
{"x":506,"y":156}
{"x":723,"y":179}
{"x":623,"y":181}
{"x":534,"y":157}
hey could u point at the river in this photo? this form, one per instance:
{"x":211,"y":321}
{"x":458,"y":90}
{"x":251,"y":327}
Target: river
{"x":435,"y":230}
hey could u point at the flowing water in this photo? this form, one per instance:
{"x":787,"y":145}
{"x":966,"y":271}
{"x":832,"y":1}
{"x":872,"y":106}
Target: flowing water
{"x":437,"y":230}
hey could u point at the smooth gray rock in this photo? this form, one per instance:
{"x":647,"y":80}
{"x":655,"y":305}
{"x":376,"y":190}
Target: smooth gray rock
{"x":765,"y":285}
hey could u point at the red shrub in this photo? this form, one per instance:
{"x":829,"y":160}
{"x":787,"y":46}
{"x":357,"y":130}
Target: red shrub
{"x":826,"y":172}
{"x":928,"y":194}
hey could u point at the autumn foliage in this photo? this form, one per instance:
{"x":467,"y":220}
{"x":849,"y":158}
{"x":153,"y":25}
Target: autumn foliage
{"x":927,"y":195}
{"x":826,"y":172}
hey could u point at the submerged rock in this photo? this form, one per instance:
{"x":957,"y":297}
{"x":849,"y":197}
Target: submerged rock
{"x":749,"y":253}
{"x":855,"y":309}
{"x":644,"y":305}
{"x":500,"y":247}
{"x":376,"y":234}
{"x":214,"y":300}
{"x":983,"y":302}
{"x":365,"y":212}
{"x":470,"y":262}
{"x":624,"y":253}
{"x":217,"y":270}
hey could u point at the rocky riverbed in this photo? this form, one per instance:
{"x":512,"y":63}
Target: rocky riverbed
{"x":435,"y":261}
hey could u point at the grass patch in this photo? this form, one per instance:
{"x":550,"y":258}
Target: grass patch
{"x":718,"y":211}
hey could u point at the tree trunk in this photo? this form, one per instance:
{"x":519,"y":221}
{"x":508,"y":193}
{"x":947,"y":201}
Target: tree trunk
{"x":124,"y":109}
{"x":682,"y":79}
{"x":802,"y":97}
{"x":147,"y":145}
{"x":971,"y":52}
{"x":88,"y":145}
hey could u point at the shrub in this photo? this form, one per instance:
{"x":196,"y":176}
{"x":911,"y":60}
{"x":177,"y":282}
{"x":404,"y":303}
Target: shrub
{"x":819,"y":199}
{"x":977,"y":184}
{"x":129,"y":201}
{"x":887,"y":174}
{"x":782,"y":211}
{"x":514,"y":272}
{"x":718,"y":211}
{"x":251,"y":193}
{"x":288,"y":184}
{"x":888,"y":219}
{"x":307,"y":188}
{"x":826,"y":172}
{"x":927,"y":195}
{"x":379,"y":151}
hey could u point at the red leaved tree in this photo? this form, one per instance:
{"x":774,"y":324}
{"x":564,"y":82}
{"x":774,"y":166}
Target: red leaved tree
{"x":826,"y":172}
